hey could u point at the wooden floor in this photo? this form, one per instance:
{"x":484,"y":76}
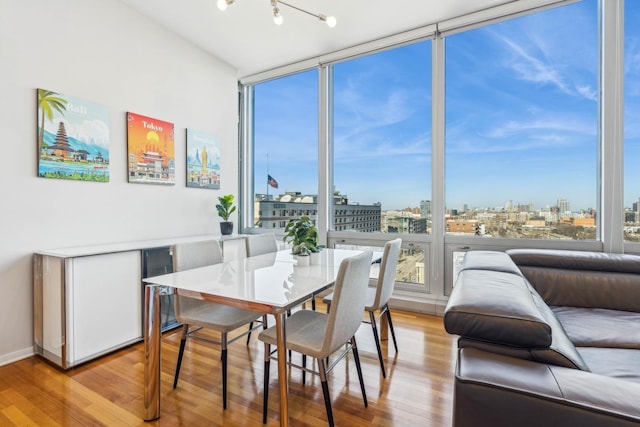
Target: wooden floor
{"x":418,"y":390}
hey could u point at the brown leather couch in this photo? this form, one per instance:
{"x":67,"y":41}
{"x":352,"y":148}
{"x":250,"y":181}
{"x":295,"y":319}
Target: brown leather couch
{"x":547,"y":338}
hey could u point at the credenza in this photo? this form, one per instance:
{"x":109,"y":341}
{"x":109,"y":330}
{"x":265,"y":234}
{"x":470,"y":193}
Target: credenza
{"x":87,"y":301}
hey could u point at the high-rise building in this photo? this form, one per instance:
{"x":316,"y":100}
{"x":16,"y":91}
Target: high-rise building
{"x":425,"y":209}
{"x":563,"y":207}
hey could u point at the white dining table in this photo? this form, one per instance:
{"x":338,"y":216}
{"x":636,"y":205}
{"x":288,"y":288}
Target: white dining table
{"x":271,"y":283}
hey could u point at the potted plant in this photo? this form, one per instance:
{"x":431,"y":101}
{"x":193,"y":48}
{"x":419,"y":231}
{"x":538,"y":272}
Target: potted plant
{"x":225,"y":209}
{"x":303,"y":237}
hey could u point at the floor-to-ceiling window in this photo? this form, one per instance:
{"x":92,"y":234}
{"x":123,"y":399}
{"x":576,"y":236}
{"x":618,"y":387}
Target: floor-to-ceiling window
{"x":382,"y":148}
{"x":632,"y":121}
{"x":520,"y":154}
{"x":522,"y":126}
{"x":285,"y":150}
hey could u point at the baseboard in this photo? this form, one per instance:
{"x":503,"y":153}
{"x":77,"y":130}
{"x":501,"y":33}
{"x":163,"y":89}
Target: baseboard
{"x":425,"y":304}
{"x":8,"y":358}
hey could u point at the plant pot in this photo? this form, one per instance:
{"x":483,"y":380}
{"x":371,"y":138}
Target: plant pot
{"x":314,"y":258}
{"x":226,"y":227}
{"x":302,"y":260}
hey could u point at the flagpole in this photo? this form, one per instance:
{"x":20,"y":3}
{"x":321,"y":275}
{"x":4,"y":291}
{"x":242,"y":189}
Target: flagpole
{"x":267,"y":176}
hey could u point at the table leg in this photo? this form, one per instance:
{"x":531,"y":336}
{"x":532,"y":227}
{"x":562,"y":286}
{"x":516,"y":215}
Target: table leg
{"x":282,"y":368}
{"x":152,"y":350}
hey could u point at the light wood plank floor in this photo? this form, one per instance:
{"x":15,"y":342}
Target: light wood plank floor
{"x":418,"y":390}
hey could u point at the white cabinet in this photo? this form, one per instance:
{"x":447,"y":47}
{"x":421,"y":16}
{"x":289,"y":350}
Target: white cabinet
{"x":87,"y":301}
{"x":86,"y":306}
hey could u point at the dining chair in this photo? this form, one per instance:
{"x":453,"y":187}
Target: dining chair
{"x":378,"y":297}
{"x":259,"y":244}
{"x":319,"y":335}
{"x":196,"y":314}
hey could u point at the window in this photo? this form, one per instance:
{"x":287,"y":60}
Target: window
{"x":382,"y":139}
{"x":522,"y":125}
{"x":632,"y":122}
{"x":285,"y":132}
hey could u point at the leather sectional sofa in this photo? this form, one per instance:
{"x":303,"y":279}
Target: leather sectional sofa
{"x":547,"y":338}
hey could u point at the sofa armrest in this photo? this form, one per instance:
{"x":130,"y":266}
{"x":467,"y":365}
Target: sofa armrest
{"x":497,"y":390}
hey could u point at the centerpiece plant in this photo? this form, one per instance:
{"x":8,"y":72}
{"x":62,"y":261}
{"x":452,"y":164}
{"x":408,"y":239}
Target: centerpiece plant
{"x":302,"y":234}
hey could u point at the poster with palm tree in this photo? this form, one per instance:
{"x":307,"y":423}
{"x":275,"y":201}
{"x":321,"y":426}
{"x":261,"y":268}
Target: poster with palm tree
{"x":73,"y":138}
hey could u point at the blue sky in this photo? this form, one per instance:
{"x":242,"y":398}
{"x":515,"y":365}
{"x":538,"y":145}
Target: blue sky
{"x":521,"y":117}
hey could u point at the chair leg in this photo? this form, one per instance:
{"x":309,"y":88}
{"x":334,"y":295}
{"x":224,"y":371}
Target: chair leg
{"x":372,"y":318}
{"x":356,"y":357}
{"x":393,"y":334}
{"x":325,"y":391}
{"x":265,"y":398}
{"x":304,"y":372}
{"x":223,"y":340}
{"x":313,"y":302}
{"x":249,"y":334}
{"x":183,"y":341}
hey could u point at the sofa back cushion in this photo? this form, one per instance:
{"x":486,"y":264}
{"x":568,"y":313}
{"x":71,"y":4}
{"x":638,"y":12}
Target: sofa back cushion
{"x":498,"y":310}
{"x":496,"y":307}
{"x":582,"y":279}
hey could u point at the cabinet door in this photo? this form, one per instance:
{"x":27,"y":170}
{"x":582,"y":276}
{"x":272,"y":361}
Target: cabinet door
{"x":104,"y":304}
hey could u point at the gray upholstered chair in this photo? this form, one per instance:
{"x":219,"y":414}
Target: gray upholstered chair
{"x":378,"y":297}
{"x":196,"y":314}
{"x":319,"y":335}
{"x":259,"y":244}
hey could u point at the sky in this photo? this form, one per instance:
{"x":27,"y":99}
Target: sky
{"x":520,"y":118}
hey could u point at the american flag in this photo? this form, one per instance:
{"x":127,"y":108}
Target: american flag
{"x":272,"y":182}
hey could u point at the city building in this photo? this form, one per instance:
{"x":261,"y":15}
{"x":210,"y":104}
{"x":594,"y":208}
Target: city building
{"x":273,"y":213}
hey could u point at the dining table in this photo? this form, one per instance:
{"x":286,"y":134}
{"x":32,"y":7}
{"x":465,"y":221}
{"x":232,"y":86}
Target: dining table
{"x":272,"y":283}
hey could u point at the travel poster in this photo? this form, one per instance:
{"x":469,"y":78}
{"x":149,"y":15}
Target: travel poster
{"x":73,"y":138}
{"x":151,"y":150}
{"x":203,"y":160}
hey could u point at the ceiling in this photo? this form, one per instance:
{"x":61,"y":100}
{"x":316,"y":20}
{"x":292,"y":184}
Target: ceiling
{"x":246,"y":37}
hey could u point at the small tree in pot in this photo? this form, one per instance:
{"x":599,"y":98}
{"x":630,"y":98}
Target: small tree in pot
{"x":225,"y":209}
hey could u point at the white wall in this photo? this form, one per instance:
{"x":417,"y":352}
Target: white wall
{"x":103,"y":52}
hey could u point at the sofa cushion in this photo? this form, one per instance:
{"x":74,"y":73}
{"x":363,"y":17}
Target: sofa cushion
{"x":582,"y":279}
{"x":576,"y":260}
{"x":500,"y":391}
{"x":562,"y":351}
{"x":622,"y":363}
{"x":495,"y":307}
{"x":489,"y":260}
{"x":597,"y":327}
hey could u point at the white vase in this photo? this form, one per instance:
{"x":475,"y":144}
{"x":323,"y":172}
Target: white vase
{"x":302,"y":260}
{"x":314,"y":258}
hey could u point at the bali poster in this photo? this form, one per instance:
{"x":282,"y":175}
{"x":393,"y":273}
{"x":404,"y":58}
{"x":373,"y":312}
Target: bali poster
{"x":151,"y":150}
{"x":73,"y":138}
{"x":203,"y":160}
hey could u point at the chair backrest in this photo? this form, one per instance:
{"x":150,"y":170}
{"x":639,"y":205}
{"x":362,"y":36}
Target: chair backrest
{"x":387,"y":276}
{"x":349,"y":297}
{"x":259,"y":244}
{"x":185,"y":257}
{"x":196,"y":254}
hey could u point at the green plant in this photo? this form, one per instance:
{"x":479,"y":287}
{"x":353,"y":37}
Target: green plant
{"x":302,"y":235}
{"x":225,"y":206}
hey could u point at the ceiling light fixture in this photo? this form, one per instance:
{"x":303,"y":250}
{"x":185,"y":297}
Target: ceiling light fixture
{"x":277,"y":16}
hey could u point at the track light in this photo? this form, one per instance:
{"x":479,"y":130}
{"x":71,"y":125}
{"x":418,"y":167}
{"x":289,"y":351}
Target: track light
{"x":277,"y":16}
{"x":223,"y":4}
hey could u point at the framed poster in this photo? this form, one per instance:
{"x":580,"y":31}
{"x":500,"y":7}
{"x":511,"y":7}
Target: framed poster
{"x":203,"y":160}
{"x":150,"y":148}
{"x":73,"y":138}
